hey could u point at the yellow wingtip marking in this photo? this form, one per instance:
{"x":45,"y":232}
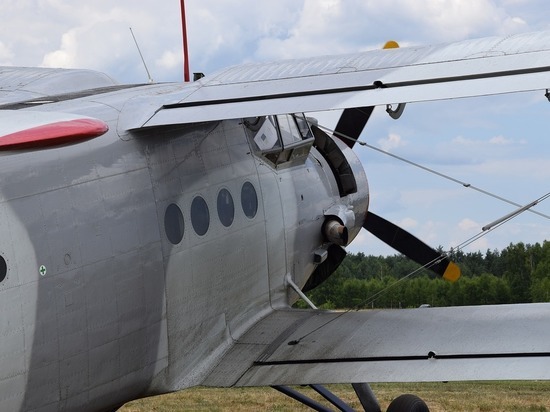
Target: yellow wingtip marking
{"x":391,"y":45}
{"x":452,"y":273}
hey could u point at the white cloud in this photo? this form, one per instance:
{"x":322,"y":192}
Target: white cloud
{"x":315,"y":32}
{"x":170,"y":59}
{"x":481,"y":244}
{"x":220,"y":30}
{"x":408,"y":223}
{"x":463,"y":141}
{"x":533,"y":169}
{"x":393,"y":141}
{"x":450,"y":20}
{"x":430,"y":233}
{"x":468,"y":225}
{"x":479,"y":143}
{"x":463,"y":236}
{"x":422,"y":195}
{"x":5,"y":54}
{"x":479,"y":151}
{"x":500,"y":140}
{"x":66,"y":55}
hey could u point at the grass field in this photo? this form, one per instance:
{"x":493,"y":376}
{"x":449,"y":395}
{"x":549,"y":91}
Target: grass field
{"x":440,"y":397}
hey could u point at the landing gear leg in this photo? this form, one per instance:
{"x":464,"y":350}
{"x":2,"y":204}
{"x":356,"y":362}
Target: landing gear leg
{"x":403,"y":403}
{"x":310,"y":402}
{"x":366,"y":397}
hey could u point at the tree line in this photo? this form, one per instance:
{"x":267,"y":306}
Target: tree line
{"x":520,"y":273}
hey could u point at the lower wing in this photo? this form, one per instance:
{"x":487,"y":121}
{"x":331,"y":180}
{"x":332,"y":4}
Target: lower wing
{"x":510,"y":342}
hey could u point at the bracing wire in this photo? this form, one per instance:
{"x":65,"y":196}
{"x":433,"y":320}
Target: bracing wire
{"x":467,"y":242}
{"x":432,"y":171}
{"x":485,"y":230}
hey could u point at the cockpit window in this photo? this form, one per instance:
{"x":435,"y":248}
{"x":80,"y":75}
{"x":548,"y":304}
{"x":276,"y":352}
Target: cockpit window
{"x":289,"y":130}
{"x":282,"y":139}
{"x":266,"y":137}
{"x":303,"y":126}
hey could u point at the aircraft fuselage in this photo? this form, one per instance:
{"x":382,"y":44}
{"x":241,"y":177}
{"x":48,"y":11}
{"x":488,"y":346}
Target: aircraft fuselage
{"x":135,"y":260}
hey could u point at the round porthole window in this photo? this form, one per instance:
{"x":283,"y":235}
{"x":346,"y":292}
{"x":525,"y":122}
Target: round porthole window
{"x":3,"y":269}
{"x":173,"y":224}
{"x":200,"y":216}
{"x":249,"y":200}
{"x":226,"y":208}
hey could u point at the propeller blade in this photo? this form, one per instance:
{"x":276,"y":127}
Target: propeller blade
{"x":353,"y":120}
{"x":411,"y":246}
{"x":351,"y":123}
{"x":322,"y":272}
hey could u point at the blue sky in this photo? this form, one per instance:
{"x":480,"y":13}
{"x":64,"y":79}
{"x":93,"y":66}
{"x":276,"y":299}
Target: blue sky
{"x":499,"y":144}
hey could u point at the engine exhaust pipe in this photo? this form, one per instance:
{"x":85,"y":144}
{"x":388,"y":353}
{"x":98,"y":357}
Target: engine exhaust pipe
{"x":336,"y":232}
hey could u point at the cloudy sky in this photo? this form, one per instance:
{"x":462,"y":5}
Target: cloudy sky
{"x":498,"y":144}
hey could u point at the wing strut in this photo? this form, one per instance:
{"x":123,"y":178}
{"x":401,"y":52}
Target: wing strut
{"x":321,"y":390}
{"x":363,"y":391}
{"x":300,"y":397}
{"x":366,"y":397}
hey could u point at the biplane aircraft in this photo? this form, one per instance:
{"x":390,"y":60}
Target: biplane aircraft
{"x":156,"y":236}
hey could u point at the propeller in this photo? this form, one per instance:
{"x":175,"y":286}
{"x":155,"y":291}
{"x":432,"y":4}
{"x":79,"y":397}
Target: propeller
{"x":410,"y":246}
{"x":351,"y":123}
{"x":353,"y":120}
{"x":336,"y":255}
{"x":348,"y":129}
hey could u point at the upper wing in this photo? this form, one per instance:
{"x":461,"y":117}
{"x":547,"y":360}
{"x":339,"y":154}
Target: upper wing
{"x":33,"y":85}
{"x":432,"y":344}
{"x":469,"y":68}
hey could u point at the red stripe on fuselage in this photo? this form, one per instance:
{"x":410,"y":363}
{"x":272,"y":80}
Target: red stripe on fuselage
{"x":52,"y":134}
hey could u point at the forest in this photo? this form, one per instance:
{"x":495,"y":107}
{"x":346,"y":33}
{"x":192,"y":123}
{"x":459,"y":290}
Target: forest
{"x":520,"y":273}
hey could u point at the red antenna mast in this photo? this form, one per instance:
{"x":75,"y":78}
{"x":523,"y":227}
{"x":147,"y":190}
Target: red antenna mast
{"x":185,"y":51}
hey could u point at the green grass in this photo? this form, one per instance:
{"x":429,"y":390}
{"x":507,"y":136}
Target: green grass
{"x":529,"y":396}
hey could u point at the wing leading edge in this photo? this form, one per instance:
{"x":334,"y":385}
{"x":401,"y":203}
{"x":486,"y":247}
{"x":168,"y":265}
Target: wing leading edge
{"x":509,"y":342}
{"x":465,"y":69}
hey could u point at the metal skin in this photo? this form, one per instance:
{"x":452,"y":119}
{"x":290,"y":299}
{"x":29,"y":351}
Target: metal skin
{"x":110,"y":294}
{"x":118,"y":311}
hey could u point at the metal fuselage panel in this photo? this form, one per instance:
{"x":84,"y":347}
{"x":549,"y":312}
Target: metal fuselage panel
{"x":99,"y":306}
{"x":215,"y":281}
{"x":83,"y":301}
{"x":221,"y":283}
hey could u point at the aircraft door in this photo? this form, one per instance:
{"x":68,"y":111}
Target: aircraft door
{"x":281,"y":145}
